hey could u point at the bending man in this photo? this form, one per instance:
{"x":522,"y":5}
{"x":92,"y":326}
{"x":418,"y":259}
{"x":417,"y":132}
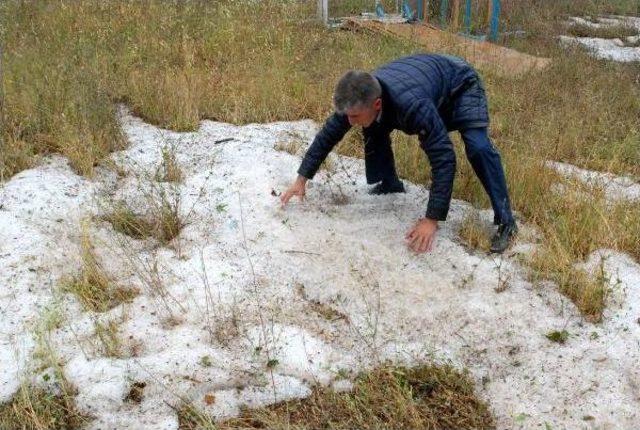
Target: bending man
{"x":428,"y":95}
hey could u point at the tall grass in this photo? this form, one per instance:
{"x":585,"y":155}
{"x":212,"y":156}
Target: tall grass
{"x":176,"y":62}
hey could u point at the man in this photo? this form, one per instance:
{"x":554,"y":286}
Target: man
{"x":428,"y":95}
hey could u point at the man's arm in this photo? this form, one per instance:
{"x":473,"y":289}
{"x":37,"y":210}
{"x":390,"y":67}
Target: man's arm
{"x":327,"y":138}
{"x":435,"y":142}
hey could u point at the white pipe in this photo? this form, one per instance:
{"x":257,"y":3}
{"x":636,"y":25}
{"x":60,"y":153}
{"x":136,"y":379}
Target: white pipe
{"x":323,"y":10}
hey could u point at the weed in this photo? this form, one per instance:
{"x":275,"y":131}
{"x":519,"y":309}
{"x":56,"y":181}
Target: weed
{"x":205,"y":361}
{"x":558,"y":336}
{"x":125,"y":221}
{"x":34,"y":408}
{"x":169,"y":170}
{"x":92,"y":286}
{"x":272,"y":363}
{"x":474,"y":233}
{"x":163,"y":220}
{"x":136,"y":392}
{"x":108,"y":340}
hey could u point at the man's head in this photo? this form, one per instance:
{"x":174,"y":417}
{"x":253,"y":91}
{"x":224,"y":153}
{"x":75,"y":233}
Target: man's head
{"x":357,"y":95}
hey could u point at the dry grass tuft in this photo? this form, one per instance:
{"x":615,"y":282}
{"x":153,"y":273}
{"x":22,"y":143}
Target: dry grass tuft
{"x":125,"y":221}
{"x":166,"y":218}
{"x":92,"y":287}
{"x":162,"y":222}
{"x":47,"y":404}
{"x":474,"y":233}
{"x":612,"y":32}
{"x":169,"y":170}
{"x":108,"y":340}
{"x":426,"y":397}
{"x":36,"y":409}
{"x":291,"y":143}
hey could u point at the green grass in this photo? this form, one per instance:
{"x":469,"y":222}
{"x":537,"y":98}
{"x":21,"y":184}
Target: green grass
{"x":558,"y":336}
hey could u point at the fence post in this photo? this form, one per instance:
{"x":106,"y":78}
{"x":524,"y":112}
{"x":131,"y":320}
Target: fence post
{"x":455,"y":16}
{"x":467,"y":16}
{"x":444,"y":6}
{"x":323,"y":11}
{"x":495,"y":18}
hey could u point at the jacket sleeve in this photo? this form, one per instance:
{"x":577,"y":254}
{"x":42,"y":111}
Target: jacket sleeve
{"x":331,"y":133}
{"x":435,"y":142}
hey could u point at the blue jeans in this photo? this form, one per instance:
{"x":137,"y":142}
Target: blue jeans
{"x":483,"y":156}
{"x":486,"y":163}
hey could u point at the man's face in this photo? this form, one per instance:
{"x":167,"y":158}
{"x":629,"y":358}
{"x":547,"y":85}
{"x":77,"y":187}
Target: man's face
{"x":364,"y":115}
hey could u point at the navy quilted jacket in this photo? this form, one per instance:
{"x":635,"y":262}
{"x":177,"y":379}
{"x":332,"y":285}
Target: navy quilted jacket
{"x":427,"y":95}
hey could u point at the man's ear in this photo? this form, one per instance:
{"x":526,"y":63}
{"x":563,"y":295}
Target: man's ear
{"x":377,"y":103}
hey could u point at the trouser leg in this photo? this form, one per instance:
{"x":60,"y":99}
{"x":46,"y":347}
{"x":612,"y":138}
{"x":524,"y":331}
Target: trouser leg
{"x":486,"y":163}
{"x":378,"y":156}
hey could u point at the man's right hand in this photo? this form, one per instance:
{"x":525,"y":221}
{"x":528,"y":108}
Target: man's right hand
{"x":298,"y":188}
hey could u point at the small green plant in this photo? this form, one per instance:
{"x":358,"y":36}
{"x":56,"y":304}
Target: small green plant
{"x":521,"y":417}
{"x":558,"y":336}
{"x":205,"y":361}
{"x":272,"y":363}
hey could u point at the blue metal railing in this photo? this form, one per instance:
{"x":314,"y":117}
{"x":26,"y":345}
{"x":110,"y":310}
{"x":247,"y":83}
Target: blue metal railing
{"x":494,"y":16}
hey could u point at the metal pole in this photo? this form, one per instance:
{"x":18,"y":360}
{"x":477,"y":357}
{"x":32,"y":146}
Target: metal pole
{"x":495,"y":20}
{"x":467,"y":16}
{"x":489,"y":8}
{"x":323,"y":11}
{"x":444,"y":6}
{"x":455,"y":16}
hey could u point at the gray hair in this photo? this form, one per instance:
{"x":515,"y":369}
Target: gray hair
{"x":355,"y":88}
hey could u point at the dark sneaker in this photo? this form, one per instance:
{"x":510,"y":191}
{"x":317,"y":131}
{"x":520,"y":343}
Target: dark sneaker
{"x":503,"y":237}
{"x":387,"y":188}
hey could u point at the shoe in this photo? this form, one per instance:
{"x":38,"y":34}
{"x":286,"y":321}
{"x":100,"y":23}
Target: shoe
{"x":387,"y":188}
{"x":503,"y":237}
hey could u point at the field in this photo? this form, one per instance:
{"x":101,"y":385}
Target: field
{"x":70,"y":71}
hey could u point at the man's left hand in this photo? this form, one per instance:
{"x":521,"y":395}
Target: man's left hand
{"x":422,"y":236}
